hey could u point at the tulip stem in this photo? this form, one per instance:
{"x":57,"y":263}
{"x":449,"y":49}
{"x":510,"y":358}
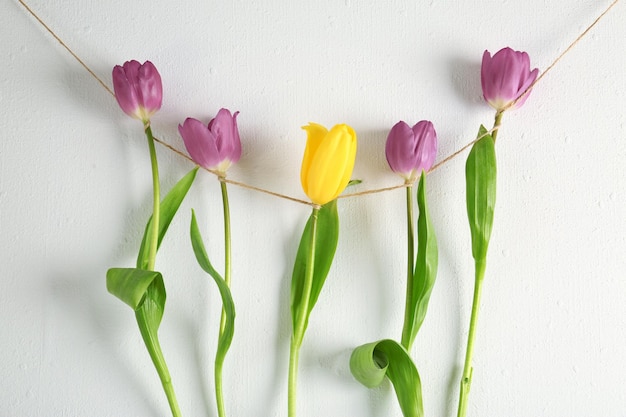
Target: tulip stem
{"x":496,"y":124}
{"x":466,"y":379}
{"x":221,"y":355}
{"x":156,"y":199}
{"x":301,"y":318}
{"x":149,"y":337}
{"x":406,"y":329}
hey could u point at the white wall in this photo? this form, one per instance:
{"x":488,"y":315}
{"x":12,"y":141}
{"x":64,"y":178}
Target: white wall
{"x":75,"y":192}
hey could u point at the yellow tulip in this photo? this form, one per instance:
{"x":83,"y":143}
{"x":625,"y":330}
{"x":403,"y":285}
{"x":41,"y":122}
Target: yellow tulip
{"x":328,"y":161}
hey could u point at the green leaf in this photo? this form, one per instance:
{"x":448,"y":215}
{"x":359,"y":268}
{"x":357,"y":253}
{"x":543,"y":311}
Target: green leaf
{"x":140,"y":289}
{"x":169,"y":207}
{"x":480,"y":176}
{"x":370,"y":364}
{"x":227,"y":299}
{"x":425,"y":265}
{"x":130,"y":284}
{"x":327,"y":235}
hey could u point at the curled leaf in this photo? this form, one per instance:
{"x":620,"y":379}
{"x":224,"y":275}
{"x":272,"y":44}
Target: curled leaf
{"x":372,"y":362}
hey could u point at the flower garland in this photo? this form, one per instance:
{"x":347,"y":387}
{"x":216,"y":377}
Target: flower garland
{"x":329,"y":157}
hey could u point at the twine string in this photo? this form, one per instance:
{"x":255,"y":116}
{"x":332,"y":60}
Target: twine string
{"x":361,"y":193}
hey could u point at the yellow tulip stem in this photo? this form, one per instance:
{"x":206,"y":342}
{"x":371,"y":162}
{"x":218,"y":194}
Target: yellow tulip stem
{"x":300,"y":325}
{"x":406,"y":329}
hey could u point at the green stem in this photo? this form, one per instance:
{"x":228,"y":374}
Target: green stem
{"x":219,"y":396}
{"x":154,"y":349}
{"x":220,"y":356}
{"x":466,"y":379}
{"x":294,"y":353}
{"x":156,"y":199}
{"x":150,"y":337}
{"x":226,"y":208}
{"x":408,"y":319}
{"x":496,"y":124}
{"x":300,"y":326}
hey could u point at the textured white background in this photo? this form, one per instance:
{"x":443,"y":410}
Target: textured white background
{"x":75,"y":193}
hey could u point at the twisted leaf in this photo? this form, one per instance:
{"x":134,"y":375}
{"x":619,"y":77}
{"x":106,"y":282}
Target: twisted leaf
{"x":144,"y":292}
{"x":372,"y":362}
{"x":227,"y":299}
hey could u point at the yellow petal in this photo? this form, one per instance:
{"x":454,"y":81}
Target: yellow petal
{"x":331,"y":167}
{"x":350,"y":159}
{"x":315,"y":135}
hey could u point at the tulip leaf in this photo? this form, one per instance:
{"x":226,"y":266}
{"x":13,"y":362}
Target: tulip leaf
{"x":327,"y":235}
{"x":169,"y":207}
{"x":480,"y":177}
{"x":130,"y":284}
{"x":372,"y":362}
{"x":425,"y":270}
{"x":227,"y":299}
{"x":144,"y":292}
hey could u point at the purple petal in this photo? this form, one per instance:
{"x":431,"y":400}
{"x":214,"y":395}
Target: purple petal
{"x":224,"y":128}
{"x":125,"y":93}
{"x":400,"y":149}
{"x":505,"y":76}
{"x":200,"y":143}
{"x":150,"y":87}
{"x":426,"y":150}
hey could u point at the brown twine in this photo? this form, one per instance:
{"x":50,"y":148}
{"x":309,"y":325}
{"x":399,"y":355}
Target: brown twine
{"x":366,"y":192}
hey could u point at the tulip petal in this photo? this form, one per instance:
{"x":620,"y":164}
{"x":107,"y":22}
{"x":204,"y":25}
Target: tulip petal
{"x":224,"y":129}
{"x":138,"y":89}
{"x":200,"y":143}
{"x":315,"y":135}
{"x":331,"y":165}
{"x":426,"y":149}
{"x":125,"y":93}
{"x":150,"y":88}
{"x":400,"y":149}
{"x":505,"y":76}
{"x":529,"y":80}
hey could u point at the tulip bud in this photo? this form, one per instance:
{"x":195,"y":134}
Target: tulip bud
{"x":505,"y":76}
{"x":409,"y":150}
{"x":138,"y":89}
{"x":328,"y":161}
{"x":215,"y":146}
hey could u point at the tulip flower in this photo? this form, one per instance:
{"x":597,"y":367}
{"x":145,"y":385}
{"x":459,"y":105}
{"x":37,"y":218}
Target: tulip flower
{"x":138,"y":89}
{"x":328,"y":161}
{"x":409,"y":150}
{"x":215,"y":146}
{"x":505,"y":76}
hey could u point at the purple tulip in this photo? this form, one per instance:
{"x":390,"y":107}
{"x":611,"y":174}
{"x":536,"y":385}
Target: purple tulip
{"x":409,"y":150}
{"x":505,"y":76}
{"x":215,"y":146}
{"x":138,"y":89}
